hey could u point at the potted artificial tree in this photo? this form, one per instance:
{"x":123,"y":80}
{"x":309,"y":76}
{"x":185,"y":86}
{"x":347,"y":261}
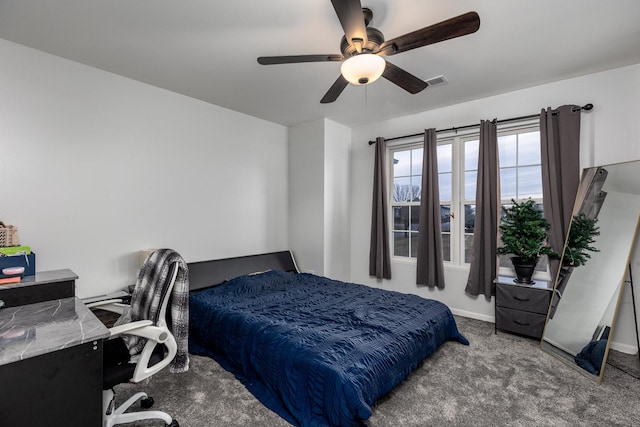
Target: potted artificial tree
{"x":581,"y":236}
{"x":524,"y":237}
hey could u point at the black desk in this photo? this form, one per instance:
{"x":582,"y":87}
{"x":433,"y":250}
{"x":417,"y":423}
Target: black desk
{"x":51,"y":364}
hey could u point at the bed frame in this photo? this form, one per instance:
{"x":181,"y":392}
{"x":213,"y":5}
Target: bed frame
{"x":206,"y":274}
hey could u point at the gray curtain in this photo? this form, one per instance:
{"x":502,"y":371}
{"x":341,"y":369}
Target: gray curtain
{"x":379,"y":256}
{"x":430,"y":266}
{"x":485,"y":236}
{"x":560,"y":143}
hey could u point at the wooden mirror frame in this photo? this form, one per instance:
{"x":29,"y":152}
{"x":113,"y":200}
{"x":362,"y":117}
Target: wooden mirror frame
{"x":605,"y":192}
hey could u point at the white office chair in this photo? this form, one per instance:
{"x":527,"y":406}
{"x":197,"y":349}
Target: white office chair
{"x":158,"y":352}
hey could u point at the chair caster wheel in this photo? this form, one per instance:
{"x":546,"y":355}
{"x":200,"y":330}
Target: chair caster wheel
{"x":147,"y":402}
{"x":174,"y":423}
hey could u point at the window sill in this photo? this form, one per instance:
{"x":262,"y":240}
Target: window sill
{"x":412,"y":261}
{"x":403,"y":260}
{"x":455,"y":267}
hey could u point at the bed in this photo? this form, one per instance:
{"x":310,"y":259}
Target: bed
{"x":318,"y":352}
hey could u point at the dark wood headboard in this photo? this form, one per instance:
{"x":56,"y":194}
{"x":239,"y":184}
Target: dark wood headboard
{"x":205,"y":274}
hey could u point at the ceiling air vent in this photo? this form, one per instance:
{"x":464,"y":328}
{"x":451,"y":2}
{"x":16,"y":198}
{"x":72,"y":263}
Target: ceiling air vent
{"x":436,"y":80}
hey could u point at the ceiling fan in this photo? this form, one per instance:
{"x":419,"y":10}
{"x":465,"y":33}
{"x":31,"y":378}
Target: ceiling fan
{"x":364,"y":47}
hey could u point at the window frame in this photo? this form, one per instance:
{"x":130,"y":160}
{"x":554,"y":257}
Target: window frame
{"x":542,"y":269}
{"x":457,"y":182}
{"x":391,"y":149}
{"x":458,"y":140}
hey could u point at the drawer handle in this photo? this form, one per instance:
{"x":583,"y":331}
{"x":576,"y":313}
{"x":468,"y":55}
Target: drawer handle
{"x":520,"y":323}
{"x":521,"y":299}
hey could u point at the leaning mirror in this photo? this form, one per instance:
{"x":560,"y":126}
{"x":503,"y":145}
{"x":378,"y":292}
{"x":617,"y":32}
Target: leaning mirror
{"x":593,"y":267}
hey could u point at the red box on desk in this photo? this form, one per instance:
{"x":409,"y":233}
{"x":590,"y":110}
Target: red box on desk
{"x":26,"y":261}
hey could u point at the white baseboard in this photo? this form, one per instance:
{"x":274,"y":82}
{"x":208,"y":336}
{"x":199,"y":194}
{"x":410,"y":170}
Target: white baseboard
{"x":623,"y":348}
{"x":472,"y":315}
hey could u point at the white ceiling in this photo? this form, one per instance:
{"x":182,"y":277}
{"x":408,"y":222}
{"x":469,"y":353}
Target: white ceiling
{"x":207,"y":49}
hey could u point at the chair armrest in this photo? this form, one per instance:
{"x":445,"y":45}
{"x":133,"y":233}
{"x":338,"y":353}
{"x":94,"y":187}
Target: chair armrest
{"x":133,"y":328}
{"x":155,"y":335}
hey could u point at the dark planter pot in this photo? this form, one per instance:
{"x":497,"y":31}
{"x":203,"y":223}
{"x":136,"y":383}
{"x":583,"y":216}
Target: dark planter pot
{"x":524,"y":269}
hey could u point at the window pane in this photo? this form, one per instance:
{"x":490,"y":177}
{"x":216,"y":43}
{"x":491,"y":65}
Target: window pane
{"x":529,"y":148}
{"x":415,"y":217}
{"x":446,"y":246}
{"x":538,"y":206}
{"x":401,"y":244}
{"x":416,"y":161}
{"x":445,"y":217}
{"x":416,"y":188}
{"x":471,"y":155}
{"x":468,"y":247}
{"x":402,"y":163}
{"x":444,"y":186}
{"x":402,"y":189}
{"x":444,"y":157}
{"x":508,"y":184}
{"x":502,"y":209}
{"x":469,"y":218}
{"x":470,"y":183}
{"x":401,"y":217}
{"x":507,"y":150}
{"x":530,"y":182}
{"x":414,"y":245}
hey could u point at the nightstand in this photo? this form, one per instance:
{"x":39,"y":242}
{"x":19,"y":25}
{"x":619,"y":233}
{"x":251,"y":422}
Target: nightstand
{"x":522,"y":309}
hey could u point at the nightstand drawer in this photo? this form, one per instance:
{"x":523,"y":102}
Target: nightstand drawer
{"x":520,"y":322}
{"x":522,"y":298}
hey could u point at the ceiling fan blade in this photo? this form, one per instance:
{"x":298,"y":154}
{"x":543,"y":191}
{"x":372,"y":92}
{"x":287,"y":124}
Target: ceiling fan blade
{"x":293,"y":59}
{"x":451,"y":28}
{"x":335,"y":90}
{"x":404,"y":79}
{"x":352,"y":20}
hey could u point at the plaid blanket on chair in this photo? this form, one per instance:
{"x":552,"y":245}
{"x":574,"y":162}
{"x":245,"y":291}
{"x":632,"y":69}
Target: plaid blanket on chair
{"x":146,"y":299}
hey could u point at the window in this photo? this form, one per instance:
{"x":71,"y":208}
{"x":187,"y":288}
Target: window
{"x":407,"y":186}
{"x":445,"y":188}
{"x":520,"y":166}
{"x":520,"y":177}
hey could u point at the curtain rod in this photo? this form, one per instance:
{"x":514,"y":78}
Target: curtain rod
{"x":586,"y":107}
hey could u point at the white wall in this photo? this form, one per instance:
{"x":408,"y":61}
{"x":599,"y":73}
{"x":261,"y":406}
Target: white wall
{"x":337,"y":152}
{"x":319,"y":176}
{"x":306,"y":195}
{"x":94,"y":167}
{"x":609,"y":133}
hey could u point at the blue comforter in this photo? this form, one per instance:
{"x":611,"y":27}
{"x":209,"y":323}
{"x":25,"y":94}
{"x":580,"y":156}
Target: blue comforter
{"x":317,"y":351}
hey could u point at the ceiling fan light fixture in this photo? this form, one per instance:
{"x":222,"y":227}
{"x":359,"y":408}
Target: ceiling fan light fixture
{"x":363,"y":69}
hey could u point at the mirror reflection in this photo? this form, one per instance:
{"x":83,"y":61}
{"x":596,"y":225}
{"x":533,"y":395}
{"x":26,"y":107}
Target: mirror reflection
{"x":594,"y":266}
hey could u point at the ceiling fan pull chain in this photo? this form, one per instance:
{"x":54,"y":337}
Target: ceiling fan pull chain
{"x":366,"y":96}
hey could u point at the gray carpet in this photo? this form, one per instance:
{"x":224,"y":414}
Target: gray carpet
{"x":499,"y":380}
